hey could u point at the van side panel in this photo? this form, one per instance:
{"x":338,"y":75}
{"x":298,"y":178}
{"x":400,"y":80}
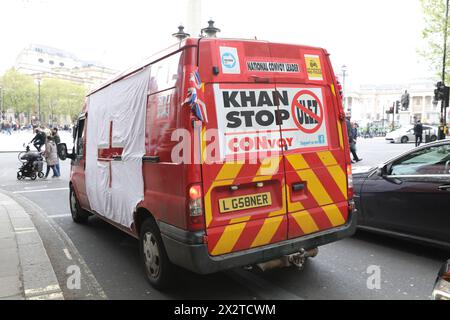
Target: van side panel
{"x":166,"y":181}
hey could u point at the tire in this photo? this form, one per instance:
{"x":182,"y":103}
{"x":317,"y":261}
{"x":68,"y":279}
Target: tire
{"x":78,"y":214}
{"x":433,"y":138}
{"x":40,"y":174}
{"x":19,"y":156}
{"x":33,"y":176}
{"x":404,"y":139}
{"x":158,"y":269}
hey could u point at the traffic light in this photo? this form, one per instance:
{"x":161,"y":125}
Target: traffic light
{"x":397,"y":106}
{"x":441,"y":93}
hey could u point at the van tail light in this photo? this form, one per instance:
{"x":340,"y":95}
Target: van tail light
{"x":196,"y":220}
{"x":349,"y":182}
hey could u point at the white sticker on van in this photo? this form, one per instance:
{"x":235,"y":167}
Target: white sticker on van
{"x":249,"y":120}
{"x":230,"y":60}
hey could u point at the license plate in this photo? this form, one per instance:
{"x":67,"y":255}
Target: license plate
{"x":245,"y":202}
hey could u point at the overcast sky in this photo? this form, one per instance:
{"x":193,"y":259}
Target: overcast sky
{"x":377,"y":40}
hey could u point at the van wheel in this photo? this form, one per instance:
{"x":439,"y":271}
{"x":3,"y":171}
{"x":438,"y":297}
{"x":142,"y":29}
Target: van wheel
{"x":78,"y":214}
{"x":157,"y":266}
{"x":404,"y":140}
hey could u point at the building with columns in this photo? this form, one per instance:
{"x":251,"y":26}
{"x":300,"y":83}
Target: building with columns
{"x":370,"y":102}
{"x":46,"y":62}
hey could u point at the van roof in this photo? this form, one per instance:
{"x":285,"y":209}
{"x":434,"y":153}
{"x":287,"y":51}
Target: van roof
{"x":188,"y":42}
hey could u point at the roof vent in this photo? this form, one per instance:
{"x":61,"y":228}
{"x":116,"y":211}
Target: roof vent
{"x":210,"y":31}
{"x":180,"y":35}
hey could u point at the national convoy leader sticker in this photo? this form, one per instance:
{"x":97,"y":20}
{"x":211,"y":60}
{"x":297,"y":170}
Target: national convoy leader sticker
{"x":249,"y":118}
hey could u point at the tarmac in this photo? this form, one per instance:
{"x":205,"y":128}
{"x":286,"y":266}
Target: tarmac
{"x":26,"y":272}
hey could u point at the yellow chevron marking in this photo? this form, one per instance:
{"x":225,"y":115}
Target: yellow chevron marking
{"x":269,"y":167}
{"x":239,"y":220}
{"x":333,"y":90}
{"x":228,"y":239}
{"x":297,"y":161}
{"x":334,"y":215}
{"x":306,"y":222}
{"x":230,"y":170}
{"x":208,"y":208}
{"x":335,"y":171}
{"x":203,"y":144}
{"x":267,"y":231}
{"x":283,"y":201}
{"x":341,"y":138}
{"x":315,"y":187}
{"x":327,"y":158}
{"x":339,"y":177}
{"x":294,"y":206}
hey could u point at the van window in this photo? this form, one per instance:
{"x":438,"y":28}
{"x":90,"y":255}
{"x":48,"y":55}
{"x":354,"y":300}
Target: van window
{"x":79,"y":147}
{"x":164,"y":74}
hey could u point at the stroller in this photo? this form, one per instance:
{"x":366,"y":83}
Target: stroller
{"x":32,"y":165}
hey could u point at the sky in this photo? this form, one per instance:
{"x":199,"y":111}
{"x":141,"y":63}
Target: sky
{"x":376,"y":40}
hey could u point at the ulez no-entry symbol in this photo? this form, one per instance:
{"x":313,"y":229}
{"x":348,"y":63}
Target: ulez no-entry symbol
{"x":307,"y":111}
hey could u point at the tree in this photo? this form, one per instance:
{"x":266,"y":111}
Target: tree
{"x":61,"y":97}
{"x":433,"y":33}
{"x":19,"y":91}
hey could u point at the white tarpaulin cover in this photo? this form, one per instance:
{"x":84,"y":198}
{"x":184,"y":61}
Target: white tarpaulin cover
{"x":114,"y":188}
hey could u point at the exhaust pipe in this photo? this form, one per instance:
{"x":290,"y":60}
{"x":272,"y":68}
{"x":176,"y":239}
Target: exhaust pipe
{"x":296,"y":259}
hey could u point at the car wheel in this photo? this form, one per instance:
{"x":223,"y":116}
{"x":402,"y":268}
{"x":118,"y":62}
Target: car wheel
{"x":433,"y":138}
{"x":404,"y":139}
{"x":157,"y":266}
{"x":78,"y":214}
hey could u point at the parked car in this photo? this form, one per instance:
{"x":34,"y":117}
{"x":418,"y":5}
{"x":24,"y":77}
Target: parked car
{"x":408,"y":196}
{"x":406,"y":134}
{"x":441,"y":289}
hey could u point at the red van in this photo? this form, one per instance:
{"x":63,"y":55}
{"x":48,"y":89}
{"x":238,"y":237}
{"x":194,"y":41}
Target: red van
{"x":217,"y":153}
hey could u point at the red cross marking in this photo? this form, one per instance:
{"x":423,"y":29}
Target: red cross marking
{"x":108,"y":154}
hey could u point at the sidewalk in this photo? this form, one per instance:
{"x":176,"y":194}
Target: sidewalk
{"x":25,"y":269}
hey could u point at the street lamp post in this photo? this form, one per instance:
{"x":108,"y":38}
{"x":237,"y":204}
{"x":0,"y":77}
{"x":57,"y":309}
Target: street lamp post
{"x":1,"y":103}
{"x":443,"y":127}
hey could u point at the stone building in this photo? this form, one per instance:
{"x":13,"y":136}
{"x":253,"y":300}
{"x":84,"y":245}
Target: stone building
{"x":47,"y":62}
{"x":370,"y":102}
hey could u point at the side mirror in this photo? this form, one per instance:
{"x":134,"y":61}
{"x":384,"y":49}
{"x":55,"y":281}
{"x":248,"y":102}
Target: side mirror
{"x":62,"y":152}
{"x":441,"y":290}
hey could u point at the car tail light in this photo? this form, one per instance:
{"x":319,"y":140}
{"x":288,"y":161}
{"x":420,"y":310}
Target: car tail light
{"x":349,"y":181}
{"x":195,"y":207}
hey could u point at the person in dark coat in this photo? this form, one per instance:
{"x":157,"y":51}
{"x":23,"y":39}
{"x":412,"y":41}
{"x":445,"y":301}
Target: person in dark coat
{"x":351,"y":140}
{"x":418,"y":132}
{"x":39,"y":139}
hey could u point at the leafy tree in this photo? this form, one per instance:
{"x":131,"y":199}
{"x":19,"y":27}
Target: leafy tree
{"x":433,"y":33}
{"x":19,"y":91}
{"x":61,"y":97}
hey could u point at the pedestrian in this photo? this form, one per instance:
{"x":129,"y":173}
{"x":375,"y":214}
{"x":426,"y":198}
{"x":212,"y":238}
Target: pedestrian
{"x":418,"y":132}
{"x":351,"y":140}
{"x":57,"y":140}
{"x":55,"y":135}
{"x":8,"y":128}
{"x":39,"y":139}
{"x":51,"y":157}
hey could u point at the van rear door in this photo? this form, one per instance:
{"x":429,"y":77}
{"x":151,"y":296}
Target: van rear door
{"x":245,"y":200}
{"x":315,"y":157}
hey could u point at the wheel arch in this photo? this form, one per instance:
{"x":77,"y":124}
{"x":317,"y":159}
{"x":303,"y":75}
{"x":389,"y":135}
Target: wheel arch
{"x":142,"y":214}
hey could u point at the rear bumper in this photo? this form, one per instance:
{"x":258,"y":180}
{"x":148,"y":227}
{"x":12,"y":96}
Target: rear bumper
{"x":186,"y":249}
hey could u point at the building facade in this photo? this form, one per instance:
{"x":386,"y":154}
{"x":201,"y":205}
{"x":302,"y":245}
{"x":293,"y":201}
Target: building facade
{"x":369,"y":103}
{"x":47,"y":62}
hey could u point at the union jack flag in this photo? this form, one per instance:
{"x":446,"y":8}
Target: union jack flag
{"x":198,"y":107}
